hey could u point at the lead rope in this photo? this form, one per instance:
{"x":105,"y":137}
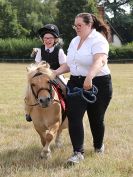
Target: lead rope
{"x":84,"y":93}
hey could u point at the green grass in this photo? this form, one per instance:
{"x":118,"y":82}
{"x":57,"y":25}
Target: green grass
{"x":20,"y":144}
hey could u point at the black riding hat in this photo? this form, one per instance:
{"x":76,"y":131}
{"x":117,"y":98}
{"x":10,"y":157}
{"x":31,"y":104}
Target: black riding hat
{"x":49,"y":28}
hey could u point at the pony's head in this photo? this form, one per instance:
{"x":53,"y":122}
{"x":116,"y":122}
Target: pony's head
{"x":39,"y":81}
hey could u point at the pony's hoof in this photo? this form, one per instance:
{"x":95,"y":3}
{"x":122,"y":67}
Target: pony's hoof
{"x":45,"y":156}
{"x":59,"y":145}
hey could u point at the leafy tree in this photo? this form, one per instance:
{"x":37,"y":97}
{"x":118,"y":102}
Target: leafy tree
{"x":9,"y":25}
{"x":131,"y":4}
{"x":68,"y":9}
{"x":33,"y":14}
{"x":124,"y":27}
{"x":119,"y":20}
{"x":115,"y":7}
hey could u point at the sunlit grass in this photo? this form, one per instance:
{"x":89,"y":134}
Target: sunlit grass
{"x":20,"y":144}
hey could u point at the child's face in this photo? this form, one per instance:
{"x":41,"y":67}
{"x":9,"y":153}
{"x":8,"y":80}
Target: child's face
{"x":48,"y":40}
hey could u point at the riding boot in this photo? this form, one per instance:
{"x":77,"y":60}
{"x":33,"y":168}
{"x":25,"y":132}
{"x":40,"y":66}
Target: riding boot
{"x":28,"y":118}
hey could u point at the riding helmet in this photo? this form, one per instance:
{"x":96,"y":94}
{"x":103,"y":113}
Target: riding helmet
{"x":49,"y":28}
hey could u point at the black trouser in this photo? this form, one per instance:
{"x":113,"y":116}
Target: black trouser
{"x":95,"y":111}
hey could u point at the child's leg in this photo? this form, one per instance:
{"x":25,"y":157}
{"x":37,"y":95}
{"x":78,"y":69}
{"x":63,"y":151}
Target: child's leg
{"x":27,"y":112}
{"x":27,"y":108}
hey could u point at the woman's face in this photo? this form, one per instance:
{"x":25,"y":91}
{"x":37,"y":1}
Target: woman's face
{"x":81,"y":27}
{"x":49,"y":40}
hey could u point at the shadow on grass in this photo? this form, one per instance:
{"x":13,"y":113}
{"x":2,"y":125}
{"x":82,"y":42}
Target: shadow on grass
{"x":29,"y":158}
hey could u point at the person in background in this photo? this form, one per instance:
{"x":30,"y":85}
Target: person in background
{"x":51,"y":52}
{"x":87,"y":58}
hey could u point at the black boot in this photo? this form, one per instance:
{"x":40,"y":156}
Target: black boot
{"x":28,"y":118}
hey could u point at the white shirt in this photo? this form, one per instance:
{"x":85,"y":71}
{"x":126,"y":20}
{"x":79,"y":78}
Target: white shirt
{"x":61,"y":55}
{"x":80,"y":60}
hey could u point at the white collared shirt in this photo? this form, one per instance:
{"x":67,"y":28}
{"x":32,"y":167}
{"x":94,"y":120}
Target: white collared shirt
{"x":80,"y":60}
{"x":61,"y":55}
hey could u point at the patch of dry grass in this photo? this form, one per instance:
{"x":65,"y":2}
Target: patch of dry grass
{"x":20,"y":144}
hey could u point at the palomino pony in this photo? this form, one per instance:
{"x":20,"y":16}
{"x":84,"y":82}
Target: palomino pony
{"x":44,"y":106}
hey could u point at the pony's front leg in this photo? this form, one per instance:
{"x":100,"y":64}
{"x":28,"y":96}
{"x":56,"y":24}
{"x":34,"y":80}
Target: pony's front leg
{"x":45,"y":149}
{"x":46,"y":152}
{"x":43,"y":140}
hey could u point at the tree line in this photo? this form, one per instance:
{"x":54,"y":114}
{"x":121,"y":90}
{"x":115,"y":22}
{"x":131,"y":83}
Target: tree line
{"x":22,"y":18}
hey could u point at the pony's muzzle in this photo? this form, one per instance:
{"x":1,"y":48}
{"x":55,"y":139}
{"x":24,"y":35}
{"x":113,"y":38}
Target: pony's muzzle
{"x":44,"y":101}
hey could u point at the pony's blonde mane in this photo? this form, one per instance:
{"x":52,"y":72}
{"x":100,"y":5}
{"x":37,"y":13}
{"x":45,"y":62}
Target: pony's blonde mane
{"x":41,"y":67}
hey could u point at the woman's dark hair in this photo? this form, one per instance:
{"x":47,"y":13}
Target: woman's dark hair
{"x":98,"y":24}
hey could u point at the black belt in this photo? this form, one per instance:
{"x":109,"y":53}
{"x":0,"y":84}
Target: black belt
{"x":77,"y":77}
{"x":83,"y":77}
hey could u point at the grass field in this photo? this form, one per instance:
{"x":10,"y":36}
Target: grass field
{"x":20,"y":144}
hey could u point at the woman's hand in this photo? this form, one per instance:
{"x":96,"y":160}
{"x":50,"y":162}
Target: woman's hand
{"x":87,"y":83}
{"x":55,"y":73}
{"x":99,"y":60}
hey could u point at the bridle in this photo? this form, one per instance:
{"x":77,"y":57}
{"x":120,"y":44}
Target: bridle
{"x":50,"y":90}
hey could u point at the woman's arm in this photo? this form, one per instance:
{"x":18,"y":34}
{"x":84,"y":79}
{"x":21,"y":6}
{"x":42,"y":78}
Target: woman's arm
{"x":99,"y":60}
{"x":64,"y":68}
